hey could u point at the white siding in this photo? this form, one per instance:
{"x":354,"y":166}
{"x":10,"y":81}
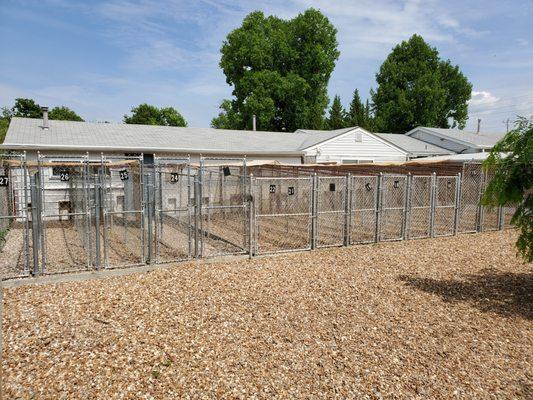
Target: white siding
{"x":345,"y":147}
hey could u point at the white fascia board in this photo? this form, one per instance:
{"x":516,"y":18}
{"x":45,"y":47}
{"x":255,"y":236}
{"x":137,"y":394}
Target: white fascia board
{"x":7,"y":146}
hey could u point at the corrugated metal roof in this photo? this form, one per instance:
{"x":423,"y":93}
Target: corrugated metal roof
{"x":481,"y":140}
{"x":27,"y":133}
{"x":413,"y":146}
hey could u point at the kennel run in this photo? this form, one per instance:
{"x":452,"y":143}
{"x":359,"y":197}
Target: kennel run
{"x":77,"y":213}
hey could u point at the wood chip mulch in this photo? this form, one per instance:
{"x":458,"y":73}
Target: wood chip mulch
{"x":437,"y":318}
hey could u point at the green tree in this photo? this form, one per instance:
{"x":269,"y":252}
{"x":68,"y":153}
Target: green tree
{"x":4,"y":122}
{"x":146,"y":114}
{"x":511,"y":163}
{"x":337,"y":115}
{"x":63,"y":113}
{"x":26,"y":108}
{"x":416,"y":87}
{"x":356,"y":114}
{"x":279,"y":70}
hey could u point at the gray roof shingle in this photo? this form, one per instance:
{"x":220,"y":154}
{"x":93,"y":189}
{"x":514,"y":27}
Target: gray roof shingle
{"x":414,"y":147}
{"x":480,"y":140}
{"x":27,"y":133}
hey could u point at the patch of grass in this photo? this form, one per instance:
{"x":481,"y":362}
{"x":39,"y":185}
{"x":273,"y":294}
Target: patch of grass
{"x":156,"y":374}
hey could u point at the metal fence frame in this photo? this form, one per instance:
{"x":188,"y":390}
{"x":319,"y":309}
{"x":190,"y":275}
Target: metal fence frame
{"x":259,"y":215}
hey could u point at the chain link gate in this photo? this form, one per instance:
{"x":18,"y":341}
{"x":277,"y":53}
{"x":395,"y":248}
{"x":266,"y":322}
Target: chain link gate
{"x":471,"y":191}
{"x":331,"y":198}
{"x":223,"y":211}
{"x":15,"y":239}
{"x":64,"y":225}
{"x":419,"y":207}
{"x":174,"y":214}
{"x":363,"y":207}
{"x":392,"y":200}
{"x":120,"y":215}
{"x":283,"y":214}
{"x":445,"y":202}
{"x":490,"y":218}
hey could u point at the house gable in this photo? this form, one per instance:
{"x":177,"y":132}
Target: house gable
{"x":346,"y":148}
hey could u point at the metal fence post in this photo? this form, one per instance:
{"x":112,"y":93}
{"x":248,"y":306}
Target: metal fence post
{"x":347,"y":209}
{"x":251,"y":209}
{"x":433,"y":204}
{"x":480,"y":208}
{"x":42,"y":210}
{"x":200,"y":206}
{"x":379,"y":201}
{"x":99,"y":210}
{"x":314,"y":211}
{"x":24,"y":211}
{"x":458,"y":192}
{"x":407,"y":208}
{"x":35,"y":218}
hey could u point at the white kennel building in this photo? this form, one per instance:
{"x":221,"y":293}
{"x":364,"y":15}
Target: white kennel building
{"x":61,"y":140}
{"x":348,"y":145}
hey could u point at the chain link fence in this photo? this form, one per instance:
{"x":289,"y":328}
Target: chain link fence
{"x":363,"y":209}
{"x":283,"y":214}
{"x":107,"y":212}
{"x":331,"y":203}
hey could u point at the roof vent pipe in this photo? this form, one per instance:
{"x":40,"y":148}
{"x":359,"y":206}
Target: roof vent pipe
{"x":45,"y":117}
{"x":254,"y":123}
{"x":478,"y":125}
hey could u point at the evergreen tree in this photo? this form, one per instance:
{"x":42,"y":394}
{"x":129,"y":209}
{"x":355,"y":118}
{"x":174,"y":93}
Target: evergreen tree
{"x":337,"y":115}
{"x":356,"y":115}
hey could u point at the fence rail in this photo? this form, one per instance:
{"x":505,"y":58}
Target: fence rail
{"x":64,"y":214}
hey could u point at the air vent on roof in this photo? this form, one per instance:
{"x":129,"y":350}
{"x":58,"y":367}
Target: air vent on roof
{"x":45,"y":117}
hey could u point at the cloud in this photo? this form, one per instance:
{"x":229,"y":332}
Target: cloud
{"x":482,"y":98}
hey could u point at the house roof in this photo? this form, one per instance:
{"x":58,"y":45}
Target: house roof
{"x":414,"y":147}
{"x":482,"y":140}
{"x":27,"y":133}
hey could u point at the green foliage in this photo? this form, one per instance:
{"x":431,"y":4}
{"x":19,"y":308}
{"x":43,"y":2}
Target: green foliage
{"x":337,"y":115}
{"x":4,"y":122}
{"x":26,"y":108}
{"x":417,"y":88}
{"x":63,"y":113}
{"x":146,"y":114}
{"x":279,"y":70}
{"x":356,"y":114}
{"x":511,"y":162}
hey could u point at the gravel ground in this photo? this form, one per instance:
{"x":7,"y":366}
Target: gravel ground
{"x":438,"y":318}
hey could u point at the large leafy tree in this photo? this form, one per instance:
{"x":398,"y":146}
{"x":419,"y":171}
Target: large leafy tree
{"x":279,"y":70}
{"x":337,"y":115}
{"x":64,"y":113}
{"x":26,"y":108}
{"x":147,"y":114}
{"x":511,"y":164}
{"x":416,"y":87}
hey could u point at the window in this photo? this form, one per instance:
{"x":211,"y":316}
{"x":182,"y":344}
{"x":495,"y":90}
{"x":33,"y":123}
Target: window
{"x":349,"y":161}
